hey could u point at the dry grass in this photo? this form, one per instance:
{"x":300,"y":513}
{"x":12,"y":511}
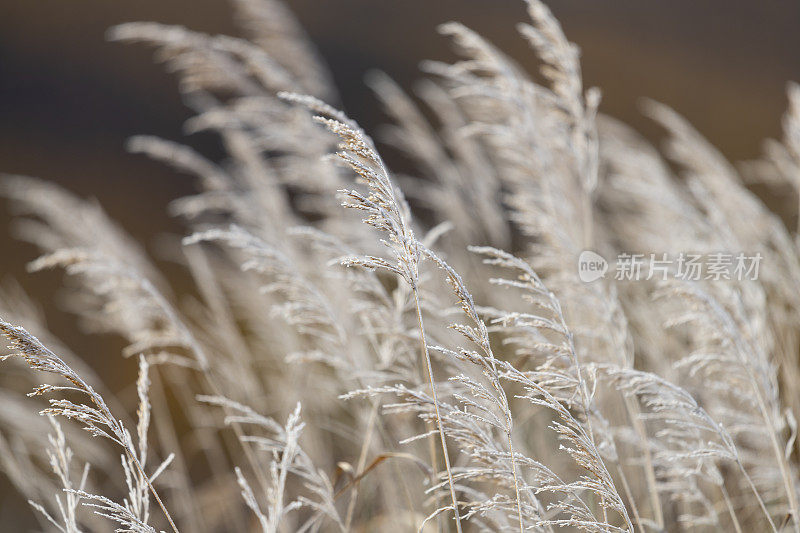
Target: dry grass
{"x":445,"y":383}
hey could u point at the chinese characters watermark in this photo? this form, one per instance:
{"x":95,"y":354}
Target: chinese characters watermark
{"x":714,"y":266}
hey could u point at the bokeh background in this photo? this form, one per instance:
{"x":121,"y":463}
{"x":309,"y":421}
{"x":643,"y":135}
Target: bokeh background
{"x":69,"y":99}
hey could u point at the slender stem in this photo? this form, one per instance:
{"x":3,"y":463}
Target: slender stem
{"x":649,"y":469}
{"x":152,"y":488}
{"x":755,"y":491}
{"x":168,"y":440}
{"x":776,"y":448}
{"x":728,"y":503}
{"x":629,"y":494}
{"x":424,"y":345}
{"x":362,"y":460}
{"x":120,"y":434}
{"x":516,"y":482}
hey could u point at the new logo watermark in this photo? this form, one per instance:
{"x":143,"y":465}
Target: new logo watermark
{"x":713,"y":266}
{"x":591,"y":266}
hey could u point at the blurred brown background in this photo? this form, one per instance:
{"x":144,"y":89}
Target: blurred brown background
{"x":69,"y":99}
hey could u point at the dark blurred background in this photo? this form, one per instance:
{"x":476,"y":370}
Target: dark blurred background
{"x":69,"y":99}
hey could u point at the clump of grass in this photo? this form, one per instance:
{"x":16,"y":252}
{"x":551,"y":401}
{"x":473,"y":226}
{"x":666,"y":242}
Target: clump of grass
{"x":454,"y":372}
